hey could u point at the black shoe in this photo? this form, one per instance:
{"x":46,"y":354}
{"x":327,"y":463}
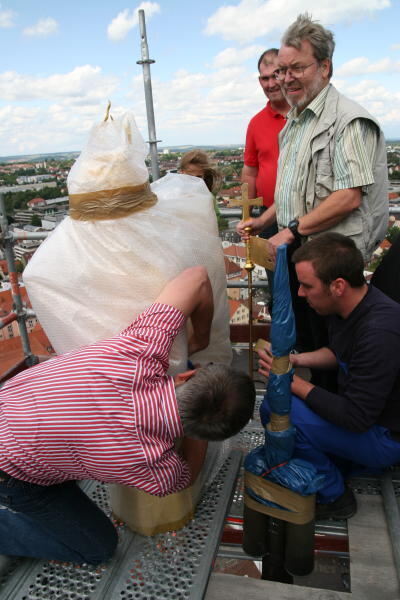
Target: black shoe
{"x":343,"y":507}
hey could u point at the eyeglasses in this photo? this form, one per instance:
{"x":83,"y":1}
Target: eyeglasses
{"x":295,"y":71}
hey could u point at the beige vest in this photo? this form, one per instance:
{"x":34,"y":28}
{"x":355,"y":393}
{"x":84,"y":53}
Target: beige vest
{"x":367,"y":225}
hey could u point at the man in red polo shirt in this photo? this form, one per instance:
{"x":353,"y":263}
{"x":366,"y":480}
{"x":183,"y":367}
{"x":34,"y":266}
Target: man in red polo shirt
{"x":262,"y":149}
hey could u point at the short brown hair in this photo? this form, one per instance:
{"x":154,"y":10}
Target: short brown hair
{"x":333,"y":255}
{"x":272,"y":52}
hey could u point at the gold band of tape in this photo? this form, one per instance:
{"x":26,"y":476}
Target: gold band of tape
{"x":280,"y":365}
{"x":263,"y":345}
{"x":111,"y":204}
{"x":301,"y":509}
{"x":278,"y":422}
{"x":150,"y":530}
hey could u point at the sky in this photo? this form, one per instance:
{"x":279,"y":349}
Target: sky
{"x":62,"y":61}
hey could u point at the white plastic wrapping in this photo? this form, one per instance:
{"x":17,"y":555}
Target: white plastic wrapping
{"x":89,"y":279}
{"x":112,"y":158}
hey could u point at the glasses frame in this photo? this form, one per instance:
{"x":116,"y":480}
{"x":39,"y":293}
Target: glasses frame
{"x":280,"y":73}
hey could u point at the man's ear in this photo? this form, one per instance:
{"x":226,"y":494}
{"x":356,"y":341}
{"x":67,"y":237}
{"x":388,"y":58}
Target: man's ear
{"x":325,"y":66}
{"x":181,"y":378}
{"x":338,"y":287}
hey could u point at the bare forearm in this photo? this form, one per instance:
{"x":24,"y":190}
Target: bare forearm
{"x":249,"y":176}
{"x":194,"y":452}
{"x":319,"y":359}
{"x":331,"y":211}
{"x":300,"y":387}
{"x":323,"y":358}
{"x":191,"y":293}
{"x":201,"y":319}
{"x":269,"y":216}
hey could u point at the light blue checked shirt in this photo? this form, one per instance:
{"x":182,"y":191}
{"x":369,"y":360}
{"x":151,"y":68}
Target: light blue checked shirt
{"x":352,"y":162}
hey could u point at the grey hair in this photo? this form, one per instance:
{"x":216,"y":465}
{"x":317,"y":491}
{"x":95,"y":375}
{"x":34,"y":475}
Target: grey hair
{"x":321,"y":39}
{"x":215,"y":403}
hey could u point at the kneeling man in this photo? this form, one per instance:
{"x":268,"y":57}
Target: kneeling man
{"x":110,"y":412}
{"x":361,"y":423}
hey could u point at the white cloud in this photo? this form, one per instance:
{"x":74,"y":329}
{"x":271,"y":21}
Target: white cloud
{"x":361,"y":66}
{"x":212,"y":106}
{"x":250,"y":19}
{"x":43,"y":28}
{"x":54,"y":113}
{"x":7,"y":18}
{"x":236,"y":56}
{"x":382,"y":103}
{"x":215,"y":107}
{"x":84,"y":82}
{"x":58,"y":127}
{"x":395,"y":47}
{"x":126,"y":20}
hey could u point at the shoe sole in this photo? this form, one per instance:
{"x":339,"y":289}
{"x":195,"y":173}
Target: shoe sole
{"x":337,"y":516}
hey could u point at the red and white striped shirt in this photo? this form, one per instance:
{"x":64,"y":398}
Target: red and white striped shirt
{"x":107,"y":411}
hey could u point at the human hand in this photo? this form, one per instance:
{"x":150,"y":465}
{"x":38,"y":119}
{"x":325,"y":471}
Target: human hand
{"x":300,"y":387}
{"x":285,"y":236}
{"x":253,"y":226}
{"x":265,"y":361}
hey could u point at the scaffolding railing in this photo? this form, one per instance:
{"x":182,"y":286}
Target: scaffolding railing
{"x":19,"y":313}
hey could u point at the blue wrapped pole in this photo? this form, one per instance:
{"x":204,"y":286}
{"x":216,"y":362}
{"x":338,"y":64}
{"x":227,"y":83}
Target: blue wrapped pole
{"x":279,"y":434}
{"x":274,"y":462}
{"x":283,"y":327}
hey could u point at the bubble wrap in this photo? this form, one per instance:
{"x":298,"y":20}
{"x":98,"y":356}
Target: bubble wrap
{"x":90,"y":279}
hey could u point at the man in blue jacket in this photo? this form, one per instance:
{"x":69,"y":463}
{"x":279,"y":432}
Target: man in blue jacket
{"x":361,"y":422}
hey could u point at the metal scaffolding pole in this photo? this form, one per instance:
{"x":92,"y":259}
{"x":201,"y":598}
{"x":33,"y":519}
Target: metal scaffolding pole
{"x":146,"y":62}
{"x":20,"y":311}
{"x":28,"y":235}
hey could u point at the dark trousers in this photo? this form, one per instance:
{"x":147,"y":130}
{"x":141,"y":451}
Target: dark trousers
{"x":53,"y":522}
{"x":336,"y":452}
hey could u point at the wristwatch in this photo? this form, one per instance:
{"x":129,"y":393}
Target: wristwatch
{"x":293,"y":226}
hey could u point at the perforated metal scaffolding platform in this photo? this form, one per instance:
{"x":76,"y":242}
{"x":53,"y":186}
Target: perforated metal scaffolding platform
{"x":178,"y":565}
{"x":171,"y":565}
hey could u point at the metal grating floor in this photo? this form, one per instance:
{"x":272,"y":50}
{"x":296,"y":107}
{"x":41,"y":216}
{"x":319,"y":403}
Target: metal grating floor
{"x":171,"y":566}
{"x":174,"y":565}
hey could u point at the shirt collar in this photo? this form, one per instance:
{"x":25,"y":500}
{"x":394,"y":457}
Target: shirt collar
{"x":273,"y":112}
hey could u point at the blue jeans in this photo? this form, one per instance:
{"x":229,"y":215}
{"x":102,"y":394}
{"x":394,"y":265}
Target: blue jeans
{"x":337,"y":452}
{"x":53,"y":522}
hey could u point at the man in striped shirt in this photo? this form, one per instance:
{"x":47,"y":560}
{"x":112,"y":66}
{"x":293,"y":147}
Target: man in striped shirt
{"x":332,"y":172}
{"x":110,"y":412}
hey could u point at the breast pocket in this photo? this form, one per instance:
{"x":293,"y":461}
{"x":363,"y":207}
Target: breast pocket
{"x":323,"y":178}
